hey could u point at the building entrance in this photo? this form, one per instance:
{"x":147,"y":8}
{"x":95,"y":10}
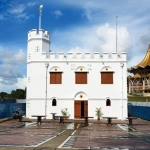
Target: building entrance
{"x":80,"y":109}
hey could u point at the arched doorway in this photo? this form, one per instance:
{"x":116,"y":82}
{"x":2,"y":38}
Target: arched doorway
{"x":80,"y":105}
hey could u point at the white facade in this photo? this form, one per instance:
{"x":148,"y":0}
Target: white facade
{"x":40,"y":93}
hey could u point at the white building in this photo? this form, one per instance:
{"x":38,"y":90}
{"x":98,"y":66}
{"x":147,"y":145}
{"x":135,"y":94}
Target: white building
{"x":79,"y":82}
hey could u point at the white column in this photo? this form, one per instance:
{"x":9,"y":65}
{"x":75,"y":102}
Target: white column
{"x":143,"y":87}
{"x":129,"y":87}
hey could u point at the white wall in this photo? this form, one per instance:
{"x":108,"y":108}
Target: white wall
{"x":65,"y":93}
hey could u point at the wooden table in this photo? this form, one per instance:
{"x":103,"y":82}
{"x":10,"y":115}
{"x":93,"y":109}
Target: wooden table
{"x":130,"y":120}
{"x":53,"y":115}
{"x":61,"y":118}
{"x":86,"y":120}
{"x":109,"y":120}
{"x":39,"y":119}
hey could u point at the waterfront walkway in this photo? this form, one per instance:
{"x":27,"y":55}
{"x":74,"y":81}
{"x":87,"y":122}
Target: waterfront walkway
{"x":51,"y":135}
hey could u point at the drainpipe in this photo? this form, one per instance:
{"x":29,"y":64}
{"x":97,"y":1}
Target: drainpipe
{"x":46,"y":65}
{"x":122,"y":65}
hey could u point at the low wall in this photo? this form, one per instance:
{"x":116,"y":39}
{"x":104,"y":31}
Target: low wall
{"x":7,"y":110}
{"x":142,"y":112}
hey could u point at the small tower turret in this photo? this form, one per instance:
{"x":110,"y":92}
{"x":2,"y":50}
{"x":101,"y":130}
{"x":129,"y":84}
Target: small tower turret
{"x":38,"y":42}
{"x":38,"y":45}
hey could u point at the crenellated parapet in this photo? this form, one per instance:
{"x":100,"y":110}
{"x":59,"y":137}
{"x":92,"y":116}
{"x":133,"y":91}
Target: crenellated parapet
{"x":88,"y":55}
{"x":41,"y":34}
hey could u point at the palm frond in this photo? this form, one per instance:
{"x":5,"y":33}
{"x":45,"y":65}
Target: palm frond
{"x":64,"y":112}
{"x":98,"y":112}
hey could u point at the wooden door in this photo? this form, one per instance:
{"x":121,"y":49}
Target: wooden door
{"x":85,"y":108}
{"x":77,"y":109}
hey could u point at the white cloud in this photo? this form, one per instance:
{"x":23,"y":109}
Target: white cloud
{"x":30,"y":4}
{"x":18,"y":9}
{"x":9,"y":57}
{"x":89,"y":10}
{"x":10,"y":71}
{"x":79,"y":49}
{"x":20,"y":56}
{"x":20,"y":84}
{"x":24,"y":15}
{"x":94,"y":39}
{"x":88,"y":13}
{"x":107,"y":37}
{"x":57,"y":13}
{"x":136,"y":60}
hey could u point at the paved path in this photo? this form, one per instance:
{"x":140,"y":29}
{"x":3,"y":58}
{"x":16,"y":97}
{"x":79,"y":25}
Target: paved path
{"x":52,"y":135}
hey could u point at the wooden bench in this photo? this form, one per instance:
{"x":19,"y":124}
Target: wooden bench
{"x":130,"y":120}
{"x":109,"y":120}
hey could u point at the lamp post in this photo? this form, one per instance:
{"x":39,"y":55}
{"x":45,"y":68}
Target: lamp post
{"x":46,"y":65}
{"x":40,"y":15}
{"x":122,"y":65}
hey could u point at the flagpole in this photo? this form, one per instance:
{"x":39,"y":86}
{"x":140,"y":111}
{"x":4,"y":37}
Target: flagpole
{"x":116,"y":31}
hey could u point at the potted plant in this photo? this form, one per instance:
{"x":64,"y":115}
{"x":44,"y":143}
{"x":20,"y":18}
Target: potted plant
{"x":98,"y":113}
{"x":64,"y":112}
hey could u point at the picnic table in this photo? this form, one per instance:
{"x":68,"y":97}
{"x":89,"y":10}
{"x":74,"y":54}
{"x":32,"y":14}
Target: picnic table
{"x":86,"y":120}
{"x":109,"y":120}
{"x":130,"y":120}
{"x":61,"y":118}
{"x":53,"y":115}
{"x":39,"y":119}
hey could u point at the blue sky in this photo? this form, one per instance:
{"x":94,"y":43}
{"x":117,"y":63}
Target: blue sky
{"x":74,"y":25}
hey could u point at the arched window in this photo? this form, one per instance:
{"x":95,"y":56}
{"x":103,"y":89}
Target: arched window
{"x":54,"y":103}
{"x":108,"y":102}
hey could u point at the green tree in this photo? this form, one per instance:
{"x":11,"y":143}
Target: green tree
{"x":3,"y":94}
{"x":15,"y":94}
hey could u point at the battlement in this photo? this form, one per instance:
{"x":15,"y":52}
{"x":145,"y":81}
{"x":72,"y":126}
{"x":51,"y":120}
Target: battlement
{"x":34,"y":34}
{"x":88,"y":55}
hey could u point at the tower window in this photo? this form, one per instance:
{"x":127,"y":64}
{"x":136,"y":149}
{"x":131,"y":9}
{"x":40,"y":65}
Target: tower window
{"x":54,"y":103}
{"x":108,"y":102}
